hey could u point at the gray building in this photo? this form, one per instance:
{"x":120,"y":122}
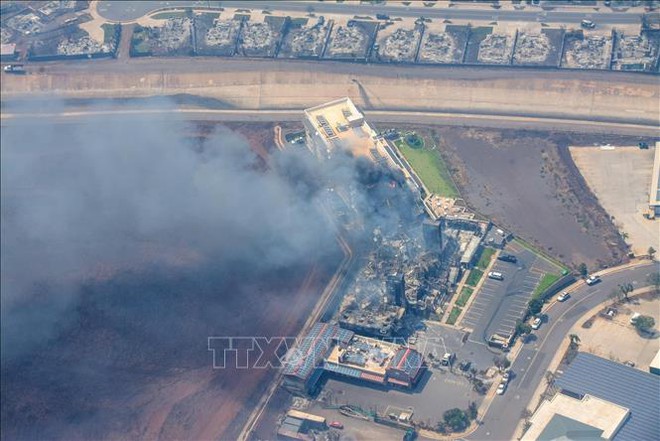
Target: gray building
{"x":616,"y":383}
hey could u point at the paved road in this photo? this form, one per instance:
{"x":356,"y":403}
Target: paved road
{"x":129,"y":11}
{"x":381,"y":118}
{"x":534,"y":359}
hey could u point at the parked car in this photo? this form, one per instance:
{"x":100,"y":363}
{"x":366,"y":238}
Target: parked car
{"x":501,"y":388}
{"x":536,"y":324}
{"x":634,"y":318}
{"x":563,"y":296}
{"x":495,"y":275}
{"x":630,"y":363}
{"x":336,"y":425}
{"x":592,"y":280}
{"x":506,"y":376}
{"x":507,"y":258}
{"x":447,"y":359}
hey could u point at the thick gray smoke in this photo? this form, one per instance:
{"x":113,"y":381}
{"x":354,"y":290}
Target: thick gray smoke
{"x":89,"y":200}
{"x":126,"y":242}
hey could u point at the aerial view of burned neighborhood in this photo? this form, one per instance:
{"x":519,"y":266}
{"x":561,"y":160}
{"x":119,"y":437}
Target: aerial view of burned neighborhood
{"x":330,"y":220}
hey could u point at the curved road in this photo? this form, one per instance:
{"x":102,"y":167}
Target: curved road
{"x":533,"y":360}
{"x":123,"y":11}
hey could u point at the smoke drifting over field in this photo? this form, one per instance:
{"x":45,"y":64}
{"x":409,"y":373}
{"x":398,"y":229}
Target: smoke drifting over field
{"x":125,"y":244}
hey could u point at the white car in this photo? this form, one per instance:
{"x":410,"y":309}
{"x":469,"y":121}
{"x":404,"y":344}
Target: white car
{"x":563,"y":297}
{"x":501,"y":388}
{"x":592,"y":280}
{"x":495,"y":275}
{"x":536,"y":324}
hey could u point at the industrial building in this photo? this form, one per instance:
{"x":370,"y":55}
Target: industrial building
{"x":563,"y":417}
{"x":654,"y":192}
{"x":338,"y":125}
{"x":626,"y":389}
{"x":329,"y":348}
{"x":654,"y":367}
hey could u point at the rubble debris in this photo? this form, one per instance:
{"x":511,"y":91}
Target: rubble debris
{"x":591,"y":52}
{"x":26,"y":24}
{"x":400,"y":46}
{"x":638,"y":52}
{"x":223,"y":33}
{"x":438,"y":48}
{"x":82,"y":45}
{"x":496,"y":49}
{"x":350,"y":41}
{"x":307,"y":41}
{"x":256,"y":36}
{"x":532,"y":48}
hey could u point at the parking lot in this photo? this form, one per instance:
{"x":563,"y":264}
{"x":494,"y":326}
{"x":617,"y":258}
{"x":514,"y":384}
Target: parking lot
{"x":499,"y":304}
{"x":439,"y":390}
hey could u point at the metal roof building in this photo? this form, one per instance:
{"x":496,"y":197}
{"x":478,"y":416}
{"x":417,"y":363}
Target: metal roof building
{"x":654,"y":191}
{"x":619,"y":384}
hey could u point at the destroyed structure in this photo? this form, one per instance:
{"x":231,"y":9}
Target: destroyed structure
{"x":532,"y":48}
{"x":588,"y":52}
{"x":349,"y":41}
{"x":496,"y":49}
{"x":400,"y":46}
{"x":222,"y":33}
{"x":306,"y":41}
{"x":329,"y":348}
{"x":634,"y":52}
{"x":257,"y":38}
{"x":438,"y":48}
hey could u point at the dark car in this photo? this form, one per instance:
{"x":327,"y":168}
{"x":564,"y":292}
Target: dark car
{"x":508,"y":258}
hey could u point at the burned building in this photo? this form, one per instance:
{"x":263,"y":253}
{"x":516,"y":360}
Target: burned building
{"x":329,"y":348}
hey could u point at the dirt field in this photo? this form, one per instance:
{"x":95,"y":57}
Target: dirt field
{"x":617,"y":339}
{"x":620,"y":178}
{"x":131,"y":361}
{"x":275,"y":84}
{"x":526,"y":182}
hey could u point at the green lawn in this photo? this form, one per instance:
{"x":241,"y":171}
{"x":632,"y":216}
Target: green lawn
{"x":430,"y":168}
{"x":168,"y":15}
{"x":485,"y":258}
{"x":474,"y":277}
{"x":546,"y":282}
{"x":463,"y":298}
{"x":453,"y":315}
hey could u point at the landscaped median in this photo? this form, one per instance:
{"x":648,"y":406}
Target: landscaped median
{"x":474,"y":277}
{"x":464,"y":296}
{"x":453,"y":315}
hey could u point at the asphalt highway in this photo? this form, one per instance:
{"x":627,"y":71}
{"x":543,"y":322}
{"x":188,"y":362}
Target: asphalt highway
{"x":123,"y":11}
{"x":382,"y":118}
{"x":533,"y":360}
